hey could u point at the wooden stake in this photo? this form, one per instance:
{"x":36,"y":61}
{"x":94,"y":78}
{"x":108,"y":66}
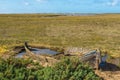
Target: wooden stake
{"x":98,"y":59}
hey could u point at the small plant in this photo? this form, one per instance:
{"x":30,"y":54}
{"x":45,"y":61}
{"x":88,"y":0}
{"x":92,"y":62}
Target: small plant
{"x":3,"y":49}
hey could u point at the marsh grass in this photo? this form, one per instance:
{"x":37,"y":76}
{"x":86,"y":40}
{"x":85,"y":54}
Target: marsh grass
{"x":98,"y":31}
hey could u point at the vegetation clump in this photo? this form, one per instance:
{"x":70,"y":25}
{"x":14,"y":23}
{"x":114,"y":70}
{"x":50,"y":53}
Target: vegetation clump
{"x":3,"y":49}
{"x":67,"y":69}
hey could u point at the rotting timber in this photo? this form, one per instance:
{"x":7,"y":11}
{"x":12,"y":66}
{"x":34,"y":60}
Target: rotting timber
{"x":42,"y":59}
{"x":93,"y":56}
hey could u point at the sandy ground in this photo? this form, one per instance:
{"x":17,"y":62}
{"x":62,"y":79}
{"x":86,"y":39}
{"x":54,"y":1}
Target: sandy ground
{"x":109,"y":75}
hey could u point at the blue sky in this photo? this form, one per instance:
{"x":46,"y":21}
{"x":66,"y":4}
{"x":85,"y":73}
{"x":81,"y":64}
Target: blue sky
{"x":59,"y":6}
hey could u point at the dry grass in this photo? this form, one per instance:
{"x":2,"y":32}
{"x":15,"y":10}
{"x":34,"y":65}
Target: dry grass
{"x":99,"y":31}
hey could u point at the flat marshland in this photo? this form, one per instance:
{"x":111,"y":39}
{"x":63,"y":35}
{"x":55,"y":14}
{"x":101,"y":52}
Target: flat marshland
{"x":92,"y":31}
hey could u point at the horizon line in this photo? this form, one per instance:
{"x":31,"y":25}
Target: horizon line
{"x":64,"y":13}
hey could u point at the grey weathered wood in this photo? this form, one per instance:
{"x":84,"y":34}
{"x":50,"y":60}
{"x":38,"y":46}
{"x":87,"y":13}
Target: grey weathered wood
{"x":98,"y":59}
{"x":88,"y":55}
{"x":93,"y":54}
{"x":44,"y":60}
{"x":75,"y":51}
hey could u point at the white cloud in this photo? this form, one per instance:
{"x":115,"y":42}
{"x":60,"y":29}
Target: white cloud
{"x":113,"y":2}
{"x":26,"y":3}
{"x":108,"y":2}
{"x":41,"y":0}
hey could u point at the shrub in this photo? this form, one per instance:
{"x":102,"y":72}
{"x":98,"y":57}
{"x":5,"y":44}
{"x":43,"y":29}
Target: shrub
{"x":67,"y":69}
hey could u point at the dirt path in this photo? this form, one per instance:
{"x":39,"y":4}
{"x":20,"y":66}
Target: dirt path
{"x":109,"y":72}
{"x":109,"y":75}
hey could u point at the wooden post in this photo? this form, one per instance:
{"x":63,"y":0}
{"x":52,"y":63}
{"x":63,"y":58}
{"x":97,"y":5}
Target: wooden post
{"x":98,"y":59}
{"x":97,"y":62}
{"x":26,"y":44}
{"x":99,"y":54}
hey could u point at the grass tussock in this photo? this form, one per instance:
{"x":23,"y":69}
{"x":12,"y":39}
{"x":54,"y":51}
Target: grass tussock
{"x":3,"y":49}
